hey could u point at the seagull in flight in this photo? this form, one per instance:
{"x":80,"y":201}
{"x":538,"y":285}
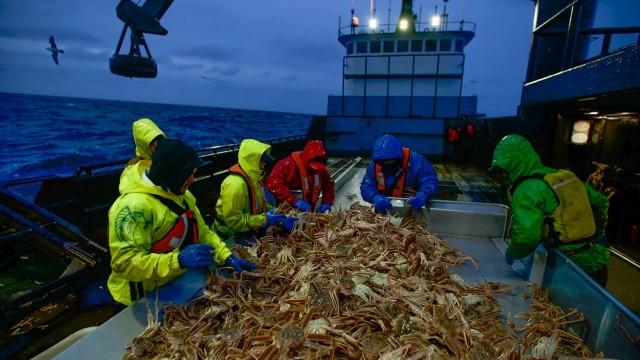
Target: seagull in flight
{"x":54,"y":50}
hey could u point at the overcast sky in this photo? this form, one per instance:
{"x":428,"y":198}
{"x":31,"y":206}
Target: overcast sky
{"x":255,"y":54}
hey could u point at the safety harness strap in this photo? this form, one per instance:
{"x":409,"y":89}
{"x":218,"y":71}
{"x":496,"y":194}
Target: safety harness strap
{"x":397,"y":188}
{"x":253,"y":196}
{"x":184,"y":232}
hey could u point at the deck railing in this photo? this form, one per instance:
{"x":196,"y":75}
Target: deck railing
{"x":560,"y":42}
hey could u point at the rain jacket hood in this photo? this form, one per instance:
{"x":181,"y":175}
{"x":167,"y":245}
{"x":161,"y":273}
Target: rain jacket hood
{"x":516,"y":155}
{"x":312,"y":150}
{"x":249,"y":157}
{"x":144,"y":131}
{"x":386,"y":147}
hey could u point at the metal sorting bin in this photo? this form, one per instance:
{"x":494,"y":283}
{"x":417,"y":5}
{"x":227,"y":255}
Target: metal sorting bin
{"x":458,"y":218}
{"x":475,"y":228}
{"x":109,"y":340}
{"x":479,"y":230}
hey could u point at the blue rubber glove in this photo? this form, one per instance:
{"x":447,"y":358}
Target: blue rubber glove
{"x":302,"y":205}
{"x":324,"y":208}
{"x":273,"y":219}
{"x":239,"y":264}
{"x":196,"y":255}
{"x":289,"y":223}
{"x":418,"y":200}
{"x":508,"y":259}
{"x":382,"y":203}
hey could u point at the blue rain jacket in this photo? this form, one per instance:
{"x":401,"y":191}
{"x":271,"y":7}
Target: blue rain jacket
{"x":421,"y":176}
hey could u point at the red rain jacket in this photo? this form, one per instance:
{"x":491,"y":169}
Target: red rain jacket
{"x":285,"y":176}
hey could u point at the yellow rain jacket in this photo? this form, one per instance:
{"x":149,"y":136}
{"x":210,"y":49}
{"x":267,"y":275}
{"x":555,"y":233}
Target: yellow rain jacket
{"x":136,"y":221}
{"x":233,"y":209}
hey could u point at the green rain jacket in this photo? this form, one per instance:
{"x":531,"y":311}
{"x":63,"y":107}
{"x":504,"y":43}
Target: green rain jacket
{"x":533,"y":199}
{"x":233,"y":209}
{"x":136,"y":221}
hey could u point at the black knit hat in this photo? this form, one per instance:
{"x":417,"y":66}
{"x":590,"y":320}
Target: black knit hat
{"x":172,"y":162}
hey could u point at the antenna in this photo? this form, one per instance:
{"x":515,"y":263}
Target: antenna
{"x":389,"y":18}
{"x":445,"y":16}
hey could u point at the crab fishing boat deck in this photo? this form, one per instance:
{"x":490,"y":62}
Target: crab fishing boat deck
{"x":478,"y":229}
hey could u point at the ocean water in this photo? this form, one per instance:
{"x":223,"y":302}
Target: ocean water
{"x":46,"y":135}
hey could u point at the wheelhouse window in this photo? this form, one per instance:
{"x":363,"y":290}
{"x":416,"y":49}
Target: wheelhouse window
{"x":459,"y":45}
{"x":416,"y":45}
{"x":403,"y":45}
{"x":361,"y":47}
{"x":349,"y":48}
{"x":375,"y":47}
{"x":389,"y":46}
{"x":445,"y":45}
{"x":431,"y":45}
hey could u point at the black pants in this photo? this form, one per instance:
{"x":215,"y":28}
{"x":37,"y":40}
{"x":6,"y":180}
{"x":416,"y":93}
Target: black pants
{"x":600,"y":276}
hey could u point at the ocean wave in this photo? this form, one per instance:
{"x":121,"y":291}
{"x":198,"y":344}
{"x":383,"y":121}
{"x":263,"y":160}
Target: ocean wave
{"x":43,"y":135}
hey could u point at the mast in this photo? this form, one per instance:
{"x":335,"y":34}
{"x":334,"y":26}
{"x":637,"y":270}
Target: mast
{"x":407,"y":20}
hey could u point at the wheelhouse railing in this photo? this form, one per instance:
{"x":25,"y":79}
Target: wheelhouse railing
{"x":461,"y":25}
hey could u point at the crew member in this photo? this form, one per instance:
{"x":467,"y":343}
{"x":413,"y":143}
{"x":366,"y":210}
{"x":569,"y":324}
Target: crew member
{"x":304,"y":170}
{"x":552,"y":206}
{"x":397,"y":172}
{"x":155,"y":229}
{"x":241,"y":210}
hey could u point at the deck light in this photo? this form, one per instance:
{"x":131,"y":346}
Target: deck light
{"x":373,"y":23}
{"x":592,"y":113}
{"x":403,"y":25}
{"x":435,"y":21}
{"x":580,"y":133}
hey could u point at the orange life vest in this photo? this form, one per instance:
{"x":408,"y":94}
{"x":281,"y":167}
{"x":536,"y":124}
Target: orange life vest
{"x":184,"y":232}
{"x":398,"y":188}
{"x":309,"y":194}
{"x":253,"y":198}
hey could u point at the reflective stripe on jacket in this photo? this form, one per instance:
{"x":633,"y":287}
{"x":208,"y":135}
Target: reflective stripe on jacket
{"x":310,"y":193}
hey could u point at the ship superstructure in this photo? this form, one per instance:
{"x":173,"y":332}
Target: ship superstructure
{"x":403,"y":79}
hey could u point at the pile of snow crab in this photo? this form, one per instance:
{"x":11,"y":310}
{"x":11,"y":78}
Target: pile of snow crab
{"x":352,"y":285}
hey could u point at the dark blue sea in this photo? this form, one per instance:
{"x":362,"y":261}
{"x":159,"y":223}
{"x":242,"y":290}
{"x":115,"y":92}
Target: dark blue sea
{"x":46,"y":135}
